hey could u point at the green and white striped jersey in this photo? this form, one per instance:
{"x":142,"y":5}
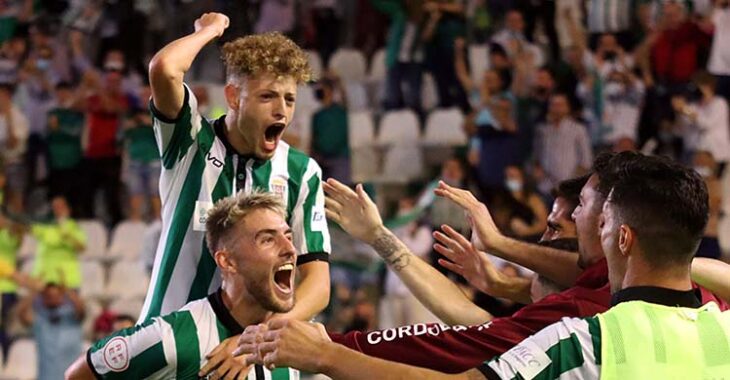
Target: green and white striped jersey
{"x":201,"y":167}
{"x":564,"y":350}
{"x":173,"y":346}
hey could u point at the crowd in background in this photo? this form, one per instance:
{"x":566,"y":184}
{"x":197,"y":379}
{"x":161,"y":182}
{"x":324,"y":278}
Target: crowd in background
{"x":562,"y":81}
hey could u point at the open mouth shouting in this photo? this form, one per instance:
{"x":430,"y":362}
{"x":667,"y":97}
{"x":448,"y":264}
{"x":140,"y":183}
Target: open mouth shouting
{"x":272,"y":135}
{"x":284,"y":279}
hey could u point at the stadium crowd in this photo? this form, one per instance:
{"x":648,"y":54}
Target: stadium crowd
{"x":513,"y":100}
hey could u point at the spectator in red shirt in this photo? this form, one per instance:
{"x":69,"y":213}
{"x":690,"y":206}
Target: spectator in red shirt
{"x":676,"y":45}
{"x":105,"y":105}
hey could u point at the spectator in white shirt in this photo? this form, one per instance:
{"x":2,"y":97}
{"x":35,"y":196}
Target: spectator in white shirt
{"x":704,"y":124}
{"x":719,"y":63}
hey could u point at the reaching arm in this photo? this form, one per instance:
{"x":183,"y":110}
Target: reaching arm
{"x":557,"y":265}
{"x":713,"y":275}
{"x":306,"y":346}
{"x":79,"y":370}
{"x":313,"y":292}
{"x":169,"y":65}
{"x":462,"y":73}
{"x":358,"y":215}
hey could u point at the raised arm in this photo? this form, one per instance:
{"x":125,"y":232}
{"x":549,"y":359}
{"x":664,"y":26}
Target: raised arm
{"x":462,"y":73}
{"x":169,"y":65}
{"x":356,"y":213}
{"x":557,"y":265}
{"x":713,"y":275}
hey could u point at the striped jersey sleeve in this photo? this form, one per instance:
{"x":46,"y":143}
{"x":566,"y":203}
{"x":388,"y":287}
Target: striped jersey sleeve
{"x":134,"y":353}
{"x":568,"y":349}
{"x":308,"y":221}
{"x":175,"y":136}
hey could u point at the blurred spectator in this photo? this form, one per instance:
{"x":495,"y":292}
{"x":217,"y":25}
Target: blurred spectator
{"x":276,"y":15}
{"x":404,"y":53}
{"x":706,"y":166}
{"x":11,"y":52}
{"x":543,"y":12}
{"x":105,"y":104}
{"x":719,"y":63}
{"x":326,"y":17}
{"x":65,"y":126}
{"x":704,"y":121}
{"x":532,"y":107}
{"x":528,"y":214}
{"x":492,"y":123}
{"x":675,"y":46}
{"x":55,"y":315}
{"x":10,"y":239}
{"x":370,"y":28}
{"x":610,"y":16}
{"x":445,"y":23}
{"x":13,"y":143}
{"x":330,"y":143}
{"x":12,"y":13}
{"x":562,"y":147}
{"x":398,"y":306}
{"x":612,"y":106}
{"x":513,"y":40}
{"x":479,"y":21}
{"x":59,"y":245}
{"x":142,"y":172}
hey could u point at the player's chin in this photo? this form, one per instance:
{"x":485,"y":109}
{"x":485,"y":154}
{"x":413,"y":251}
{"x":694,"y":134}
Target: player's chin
{"x":282,"y":304}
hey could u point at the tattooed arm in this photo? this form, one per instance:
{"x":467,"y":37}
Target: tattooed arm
{"x":358,"y":215}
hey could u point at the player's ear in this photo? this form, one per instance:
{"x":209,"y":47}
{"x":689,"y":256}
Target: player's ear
{"x":224,"y":260}
{"x":232,"y":93}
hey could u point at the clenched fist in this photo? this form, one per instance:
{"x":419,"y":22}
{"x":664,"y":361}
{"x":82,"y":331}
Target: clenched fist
{"x":215,"y":22}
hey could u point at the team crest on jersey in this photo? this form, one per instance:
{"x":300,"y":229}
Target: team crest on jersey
{"x":278,"y":186}
{"x":116,"y":354}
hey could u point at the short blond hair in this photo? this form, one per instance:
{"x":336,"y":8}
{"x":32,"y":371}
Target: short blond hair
{"x":230,"y":211}
{"x":271,"y":53}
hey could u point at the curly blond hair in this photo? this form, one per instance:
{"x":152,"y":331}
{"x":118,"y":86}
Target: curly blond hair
{"x":266,"y":53}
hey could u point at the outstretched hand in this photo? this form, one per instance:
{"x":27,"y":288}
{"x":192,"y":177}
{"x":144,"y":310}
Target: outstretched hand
{"x":483,"y":224}
{"x":354,"y":211}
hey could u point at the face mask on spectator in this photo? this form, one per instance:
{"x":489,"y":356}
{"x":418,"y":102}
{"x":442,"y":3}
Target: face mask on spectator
{"x":614,"y":89}
{"x":42,"y":64}
{"x":513,"y":185}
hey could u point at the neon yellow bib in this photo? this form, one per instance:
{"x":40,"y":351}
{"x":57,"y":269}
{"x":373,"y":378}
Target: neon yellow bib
{"x":640,"y":340}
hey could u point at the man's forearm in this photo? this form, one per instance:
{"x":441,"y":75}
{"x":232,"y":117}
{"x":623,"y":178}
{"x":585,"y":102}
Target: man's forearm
{"x":557,"y":265}
{"x":713,"y":275}
{"x":429,"y":286}
{"x":177,"y":56}
{"x":340,"y":362}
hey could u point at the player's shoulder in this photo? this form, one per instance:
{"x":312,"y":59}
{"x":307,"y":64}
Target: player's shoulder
{"x":297,"y":161}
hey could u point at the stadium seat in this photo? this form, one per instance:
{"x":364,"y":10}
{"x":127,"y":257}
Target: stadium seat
{"x":127,"y":280}
{"x":378,"y":69}
{"x":28,"y":247}
{"x":349,"y":64}
{"x":444,"y":128}
{"x":361,"y":130}
{"x":429,"y":93}
{"x":399,"y":127}
{"x":315,"y":62}
{"x":96,"y":239}
{"x":301,"y":127}
{"x":22,"y":360}
{"x":364,"y":164}
{"x":403,"y":164}
{"x":478,"y":56}
{"x":92,"y":279}
{"x":128,"y":306}
{"x":306,"y":101}
{"x":126,"y":240}
{"x":357,"y":96}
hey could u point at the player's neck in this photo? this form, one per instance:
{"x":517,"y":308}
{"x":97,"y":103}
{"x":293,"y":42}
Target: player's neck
{"x":234,"y":137}
{"x":244,"y":308}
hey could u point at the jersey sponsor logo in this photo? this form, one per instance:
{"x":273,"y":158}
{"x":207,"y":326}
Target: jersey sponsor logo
{"x":279,"y":186}
{"x":418,"y":329}
{"x":527,"y":359}
{"x":201,"y":214}
{"x":215,"y":161}
{"x":319,"y":222}
{"x":116,"y":354}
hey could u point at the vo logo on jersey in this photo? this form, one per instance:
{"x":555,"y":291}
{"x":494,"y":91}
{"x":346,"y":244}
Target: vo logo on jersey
{"x":216,"y":162}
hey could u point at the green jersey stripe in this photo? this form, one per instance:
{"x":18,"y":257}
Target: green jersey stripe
{"x":594,"y":328}
{"x":187,"y":345}
{"x":312,"y":216}
{"x":176,"y":235}
{"x":261,"y":175}
{"x":296,"y":173}
{"x":564,"y":356}
{"x":281,"y":374}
